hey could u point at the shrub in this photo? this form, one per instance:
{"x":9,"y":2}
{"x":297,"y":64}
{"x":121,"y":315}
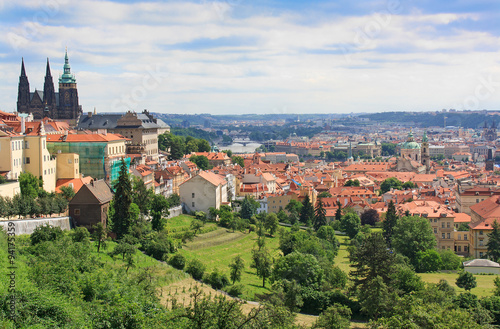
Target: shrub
{"x":178,"y":261}
{"x":196,"y":269}
{"x":235,"y":290}
{"x":46,"y":233}
{"x":159,"y":249}
{"x":216,"y":279}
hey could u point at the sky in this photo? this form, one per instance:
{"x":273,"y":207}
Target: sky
{"x":265,"y":57}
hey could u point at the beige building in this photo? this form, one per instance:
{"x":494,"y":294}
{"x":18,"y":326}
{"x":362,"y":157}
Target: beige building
{"x":27,"y":153}
{"x":68,"y":166}
{"x":279,"y":201}
{"x":483,"y":215}
{"x":203,"y":191}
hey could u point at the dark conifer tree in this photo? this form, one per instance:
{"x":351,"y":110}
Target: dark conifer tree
{"x":122,"y":199}
{"x":391,"y":219}
{"x":307,"y":211}
{"x":494,"y":242}
{"x":319,"y":215}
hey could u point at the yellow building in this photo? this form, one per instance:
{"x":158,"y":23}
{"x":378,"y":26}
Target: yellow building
{"x":483,"y":215}
{"x":27,"y":153}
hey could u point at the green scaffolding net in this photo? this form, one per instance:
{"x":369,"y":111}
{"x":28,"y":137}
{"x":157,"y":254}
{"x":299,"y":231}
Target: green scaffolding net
{"x":93,"y":160}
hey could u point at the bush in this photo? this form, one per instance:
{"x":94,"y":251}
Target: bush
{"x":178,"y":261}
{"x":235,"y":290}
{"x":451,"y":261}
{"x":46,"y":233}
{"x":196,"y":269}
{"x":80,"y":234}
{"x":159,"y":249}
{"x":216,"y":279}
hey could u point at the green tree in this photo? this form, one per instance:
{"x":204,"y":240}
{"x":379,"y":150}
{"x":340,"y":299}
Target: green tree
{"x":388,"y":149}
{"x":350,"y":224}
{"x":408,"y":185}
{"x":159,"y":208}
{"x":428,"y":261}
{"x":45,"y":233}
{"x":411,"y":235}
{"x":29,"y":185}
{"x":375,"y":299}
{"x":391,"y":182}
{"x":141,"y":196}
{"x":262,"y":263}
{"x":307,"y":211}
{"x":336,"y":316}
{"x":99,"y":235}
{"x":302,"y":268}
{"x":451,"y":261}
{"x":352,"y":182}
{"x":391,"y":220}
{"x":325,"y":194}
{"x":122,"y":218}
{"x":196,"y":269}
{"x":294,"y":208}
{"x":236,"y":268}
{"x":248,"y":207}
{"x":201,"y":161}
{"x":238,"y":160}
{"x":466,"y":280}
{"x":371,"y":259}
{"x":67,"y":192}
{"x":319,"y":215}
{"x":493,"y":243}
{"x":338,"y":213}
{"x":203,"y":145}
{"x":173,"y":144}
{"x":271,"y":223}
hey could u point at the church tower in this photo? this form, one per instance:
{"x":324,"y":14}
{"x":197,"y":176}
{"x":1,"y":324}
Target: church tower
{"x":49,"y":94}
{"x":426,"y":159}
{"x":23,"y":91}
{"x":68,"y":94}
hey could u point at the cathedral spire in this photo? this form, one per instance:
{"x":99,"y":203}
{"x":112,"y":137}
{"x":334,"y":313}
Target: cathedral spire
{"x":47,"y":70}
{"x":23,"y":71}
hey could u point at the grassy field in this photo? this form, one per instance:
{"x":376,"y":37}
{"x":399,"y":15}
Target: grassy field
{"x":217,"y":249}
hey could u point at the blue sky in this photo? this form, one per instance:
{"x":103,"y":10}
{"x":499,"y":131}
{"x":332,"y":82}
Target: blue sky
{"x":241,"y":56}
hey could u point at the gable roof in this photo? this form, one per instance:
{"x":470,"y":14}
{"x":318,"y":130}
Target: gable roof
{"x":101,"y":190}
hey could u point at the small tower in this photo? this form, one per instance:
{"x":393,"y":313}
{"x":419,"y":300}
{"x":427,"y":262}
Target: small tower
{"x":23,"y":91}
{"x":426,"y":159}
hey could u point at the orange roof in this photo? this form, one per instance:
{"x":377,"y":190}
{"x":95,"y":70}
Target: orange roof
{"x":76,"y":182}
{"x":462,"y":218}
{"x":213,"y":178}
{"x":489,"y":208}
{"x":84,"y":137}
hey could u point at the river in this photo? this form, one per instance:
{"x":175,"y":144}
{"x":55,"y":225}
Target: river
{"x":239,"y":148}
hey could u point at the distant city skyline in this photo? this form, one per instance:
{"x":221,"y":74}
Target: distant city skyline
{"x":264,"y":57}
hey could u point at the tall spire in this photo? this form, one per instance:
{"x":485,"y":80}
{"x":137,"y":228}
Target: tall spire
{"x":23,"y":71}
{"x":47,"y":70}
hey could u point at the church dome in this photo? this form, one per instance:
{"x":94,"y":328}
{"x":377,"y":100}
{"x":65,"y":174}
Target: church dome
{"x":410,"y":144}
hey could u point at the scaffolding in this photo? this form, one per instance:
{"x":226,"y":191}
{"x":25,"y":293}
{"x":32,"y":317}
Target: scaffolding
{"x":93,"y":160}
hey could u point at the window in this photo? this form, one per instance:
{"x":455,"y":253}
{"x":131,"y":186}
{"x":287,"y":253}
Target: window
{"x":448,"y":236}
{"x":459,"y":248}
{"x":477,"y":200}
{"x":70,"y":161}
{"x":435,"y":230}
{"x":192,"y":203}
{"x":435,"y":220}
{"x":192,"y":195}
{"x":480,"y":232}
{"x":27,"y":160}
{"x":44,"y":144}
{"x":442,"y":225}
{"x":77,"y":212}
{"x":26,"y":145}
{"x":481,"y":242}
{"x":448,"y":225}
{"x":465,"y":236}
{"x":481,"y":255}
{"x":465,"y":248}
{"x":442,"y":236}
{"x":460,"y":237}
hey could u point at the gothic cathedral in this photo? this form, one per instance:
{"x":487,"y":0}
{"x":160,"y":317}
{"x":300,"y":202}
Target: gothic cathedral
{"x":62,"y":105}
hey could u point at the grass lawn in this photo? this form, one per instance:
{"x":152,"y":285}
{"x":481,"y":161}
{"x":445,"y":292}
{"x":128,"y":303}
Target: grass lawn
{"x":179,"y":223}
{"x":216,"y":249}
{"x":342,"y":259}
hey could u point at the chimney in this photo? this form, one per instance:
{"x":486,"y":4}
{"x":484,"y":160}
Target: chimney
{"x":23,"y":126}
{"x":89,"y":115}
